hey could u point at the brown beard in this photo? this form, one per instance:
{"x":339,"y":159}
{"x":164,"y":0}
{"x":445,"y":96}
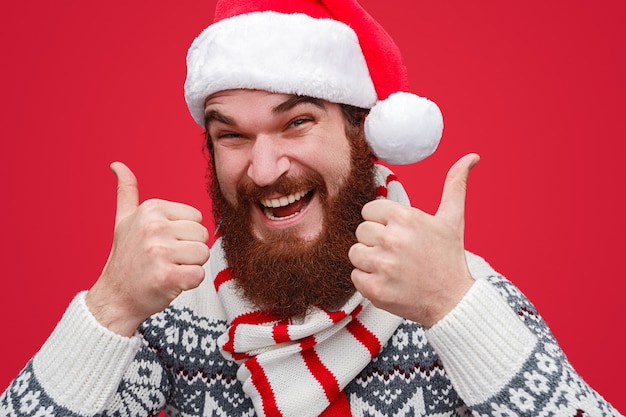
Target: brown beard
{"x":283,"y":273}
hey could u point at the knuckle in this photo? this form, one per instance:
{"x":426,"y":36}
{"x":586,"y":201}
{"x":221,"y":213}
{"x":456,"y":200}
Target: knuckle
{"x":158,"y":251}
{"x":389,"y":240}
{"x":166,"y":276}
{"x":375,"y":291}
{"x":197,"y":274}
{"x":206,"y":253}
{"x":155,"y":227}
{"x":360,"y":229}
{"x":385,"y":264}
{"x":351,"y":256}
{"x":174,"y":275}
{"x":197,"y":215}
{"x":202,"y":252}
{"x":204,"y":233}
{"x":193,"y":276}
{"x":353,"y":252}
{"x":152,"y":204}
{"x":399,"y":214}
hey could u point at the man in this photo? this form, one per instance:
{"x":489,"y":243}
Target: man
{"x":295,"y":107}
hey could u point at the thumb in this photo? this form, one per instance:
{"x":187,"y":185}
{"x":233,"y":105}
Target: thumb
{"x":127,"y":191}
{"x":452,"y":205}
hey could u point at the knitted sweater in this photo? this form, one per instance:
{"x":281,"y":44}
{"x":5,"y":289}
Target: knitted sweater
{"x":491,"y":355}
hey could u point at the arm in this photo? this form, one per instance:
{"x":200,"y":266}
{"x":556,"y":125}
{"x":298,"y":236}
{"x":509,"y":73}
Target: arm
{"x":84,"y":369}
{"x":158,"y":252}
{"x":502,"y":357}
{"x":414,"y":265}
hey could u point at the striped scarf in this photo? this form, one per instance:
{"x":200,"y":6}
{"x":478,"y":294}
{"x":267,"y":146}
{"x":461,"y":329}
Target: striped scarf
{"x":299,"y":368}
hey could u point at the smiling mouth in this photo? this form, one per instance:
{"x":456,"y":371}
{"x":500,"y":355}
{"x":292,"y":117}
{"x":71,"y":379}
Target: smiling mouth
{"x":287,"y":206}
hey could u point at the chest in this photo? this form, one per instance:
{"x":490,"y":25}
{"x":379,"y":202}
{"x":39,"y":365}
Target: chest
{"x":406,"y":378}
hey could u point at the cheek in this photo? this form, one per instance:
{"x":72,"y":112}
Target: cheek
{"x":229,"y":173}
{"x":338,"y":165}
{"x":337,"y":182}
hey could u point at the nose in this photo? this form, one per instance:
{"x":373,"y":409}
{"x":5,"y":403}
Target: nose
{"x":268,"y":161}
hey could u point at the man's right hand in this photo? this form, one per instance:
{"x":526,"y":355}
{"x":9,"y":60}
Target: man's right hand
{"x":158,"y":251}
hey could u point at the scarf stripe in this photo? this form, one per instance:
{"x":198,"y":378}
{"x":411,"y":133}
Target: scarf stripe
{"x":263,"y":387}
{"x":382,"y":190}
{"x":338,"y":408}
{"x":337,"y":316}
{"x":300,"y":369}
{"x":366,"y":337}
{"x":321,"y":373}
{"x":281,"y":332}
{"x":390,"y":178}
{"x":293,"y":388}
{"x":251,"y":318}
{"x":222,"y":277}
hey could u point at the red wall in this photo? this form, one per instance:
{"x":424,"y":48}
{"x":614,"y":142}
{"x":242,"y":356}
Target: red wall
{"x":537,"y":89}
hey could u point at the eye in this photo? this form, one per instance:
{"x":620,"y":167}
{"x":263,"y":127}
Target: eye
{"x":228,"y":135}
{"x":299,"y":121}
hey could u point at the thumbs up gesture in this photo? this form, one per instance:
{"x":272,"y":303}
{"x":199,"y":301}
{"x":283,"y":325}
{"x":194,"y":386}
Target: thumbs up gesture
{"x":158,"y":251}
{"x":411,"y":263}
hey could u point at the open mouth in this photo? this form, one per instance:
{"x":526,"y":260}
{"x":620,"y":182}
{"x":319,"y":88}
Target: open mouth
{"x":287,"y":206}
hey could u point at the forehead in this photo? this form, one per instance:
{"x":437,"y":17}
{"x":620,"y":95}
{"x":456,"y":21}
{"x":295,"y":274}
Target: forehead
{"x":227,"y":96}
{"x":232,"y":102}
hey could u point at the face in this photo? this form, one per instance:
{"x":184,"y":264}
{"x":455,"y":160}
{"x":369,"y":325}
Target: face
{"x":289,"y":178}
{"x":288,"y":149}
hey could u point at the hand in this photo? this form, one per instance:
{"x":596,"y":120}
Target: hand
{"x":158,"y":251}
{"x":410,"y":263}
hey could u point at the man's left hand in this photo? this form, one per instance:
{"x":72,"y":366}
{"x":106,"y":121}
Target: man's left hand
{"x":411,"y":263}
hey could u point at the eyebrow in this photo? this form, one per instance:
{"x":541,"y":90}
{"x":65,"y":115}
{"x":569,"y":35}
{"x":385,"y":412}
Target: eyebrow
{"x":290,"y":103}
{"x":214,"y":115}
{"x":296,"y":100}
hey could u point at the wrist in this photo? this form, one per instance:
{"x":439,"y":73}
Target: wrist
{"x":448,"y":300}
{"x":108,"y":314}
{"x":78,"y":349}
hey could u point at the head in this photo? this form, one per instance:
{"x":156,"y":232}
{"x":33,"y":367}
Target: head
{"x":291,"y":169}
{"x":310,"y":154}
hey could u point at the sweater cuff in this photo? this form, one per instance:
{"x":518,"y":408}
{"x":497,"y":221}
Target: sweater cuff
{"x":82,"y":363}
{"x":482,"y":343}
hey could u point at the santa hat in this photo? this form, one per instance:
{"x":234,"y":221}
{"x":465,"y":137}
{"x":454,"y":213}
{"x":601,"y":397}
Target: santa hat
{"x":327,"y":49}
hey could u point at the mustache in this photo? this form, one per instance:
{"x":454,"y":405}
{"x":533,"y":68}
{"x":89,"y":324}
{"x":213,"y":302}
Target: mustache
{"x":251,"y":193}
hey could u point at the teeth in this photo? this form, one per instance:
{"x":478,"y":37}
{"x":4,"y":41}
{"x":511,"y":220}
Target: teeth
{"x":270,"y":215}
{"x":283,"y":201}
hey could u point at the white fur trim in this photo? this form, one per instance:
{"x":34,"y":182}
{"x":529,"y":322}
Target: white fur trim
{"x":404,"y":128}
{"x":283,"y":53}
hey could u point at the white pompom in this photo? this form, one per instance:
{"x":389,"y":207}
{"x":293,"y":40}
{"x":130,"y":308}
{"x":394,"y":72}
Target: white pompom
{"x":404,"y":128}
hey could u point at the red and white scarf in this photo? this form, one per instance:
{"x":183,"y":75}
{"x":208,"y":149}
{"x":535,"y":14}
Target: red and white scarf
{"x":299,"y":368}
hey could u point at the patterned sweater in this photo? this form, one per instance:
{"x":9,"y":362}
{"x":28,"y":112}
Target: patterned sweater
{"x":492,"y":355}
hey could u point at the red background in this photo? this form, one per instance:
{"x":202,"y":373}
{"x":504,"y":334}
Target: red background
{"x":535,"y":87}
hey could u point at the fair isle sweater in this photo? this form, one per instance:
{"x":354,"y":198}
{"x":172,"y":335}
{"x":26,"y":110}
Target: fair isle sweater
{"x":492,"y":355}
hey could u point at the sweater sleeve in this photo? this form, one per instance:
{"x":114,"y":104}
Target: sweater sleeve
{"x":84,"y":369}
{"x":502,"y":358}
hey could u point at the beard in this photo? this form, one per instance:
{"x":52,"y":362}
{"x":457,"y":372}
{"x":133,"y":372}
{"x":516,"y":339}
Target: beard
{"x":283,"y":273}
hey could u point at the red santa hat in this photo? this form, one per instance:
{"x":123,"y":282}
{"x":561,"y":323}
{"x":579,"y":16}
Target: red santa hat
{"x":327,"y":49}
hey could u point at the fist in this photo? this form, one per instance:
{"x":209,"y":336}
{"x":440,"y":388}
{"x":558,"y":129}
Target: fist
{"x":411,"y":263}
{"x":158,"y":251}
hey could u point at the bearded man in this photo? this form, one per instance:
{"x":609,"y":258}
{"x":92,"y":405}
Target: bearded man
{"x":325,"y":292}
